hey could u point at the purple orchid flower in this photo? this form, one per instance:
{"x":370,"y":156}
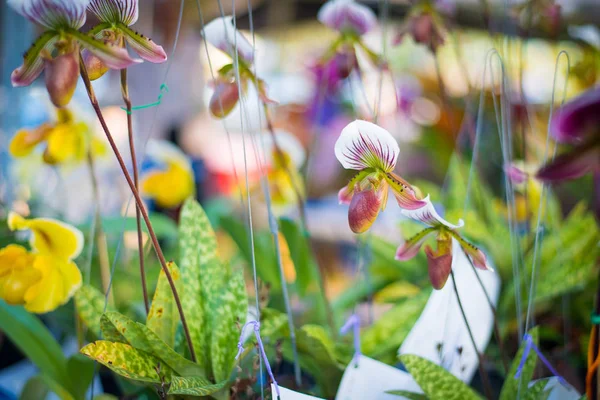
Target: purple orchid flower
{"x":347,"y":16}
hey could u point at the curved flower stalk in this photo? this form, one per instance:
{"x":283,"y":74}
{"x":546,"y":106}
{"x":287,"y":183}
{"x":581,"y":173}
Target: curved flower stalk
{"x":352,"y":20}
{"x":116,"y":17}
{"x":172,"y":182}
{"x":66,"y":140}
{"x":373,"y":152}
{"x":221,"y":33}
{"x":439,"y":261}
{"x":45,"y":277}
{"x":57,"y":49}
{"x":425,"y":23}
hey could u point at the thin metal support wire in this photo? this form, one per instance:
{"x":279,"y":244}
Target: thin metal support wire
{"x":383,"y":18}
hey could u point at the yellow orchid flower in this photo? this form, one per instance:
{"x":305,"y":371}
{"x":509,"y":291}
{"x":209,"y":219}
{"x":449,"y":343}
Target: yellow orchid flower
{"x":284,"y":180}
{"x":45,"y":277}
{"x":174,"y":183}
{"x":66,"y":140}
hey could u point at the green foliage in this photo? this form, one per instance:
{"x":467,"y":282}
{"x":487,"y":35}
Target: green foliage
{"x":408,"y":395}
{"x":536,"y":391}
{"x":82,"y":369}
{"x":301,"y":254}
{"x":163,"y":317}
{"x":163,"y":226}
{"x":194,"y":386}
{"x":90,"y":306}
{"x":510,"y":389}
{"x":435,"y":381}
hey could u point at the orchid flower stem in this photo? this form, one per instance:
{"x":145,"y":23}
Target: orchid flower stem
{"x":485,"y":380}
{"x":301,"y":206}
{"x":139,"y":203}
{"x":99,"y":234}
{"x":138,"y":219}
{"x":499,"y":340}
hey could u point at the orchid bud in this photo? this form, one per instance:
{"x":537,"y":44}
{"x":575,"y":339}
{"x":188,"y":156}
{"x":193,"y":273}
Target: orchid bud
{"x":61,"y":74}
{"x":224,"y":99}
{"x":94,"y":66}
{"x":424,"y":31}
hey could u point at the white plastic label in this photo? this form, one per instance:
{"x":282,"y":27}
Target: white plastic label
{"x":287,"y":394}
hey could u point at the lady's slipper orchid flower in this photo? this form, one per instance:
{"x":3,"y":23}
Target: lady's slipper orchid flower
{"x":45,"y":277}
{"x":528,"y":191}
{"x":347,"y":16}
{"x":372,"y":151}
{"x":221,"y":33}
{"x":66,"y":140}
{"x":439,"y":261}
{"x":57,"y":49}
{"x":576,"y":123}
{"x":172,"y":183}
{"x":424,"y":24}
{"x":116,"y":16}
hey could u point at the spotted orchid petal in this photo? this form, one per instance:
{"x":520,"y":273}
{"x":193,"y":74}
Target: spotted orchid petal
{"x":573,"y":164}
{"x":143,"y":46}
{"x":125,"y":11}
{"x":405,"y":194}
{"x":363,"y":144}
{"x":411,"y":246}
{"x":477,"y":256}
{"x":439,"y":262}
{"x":114,"y":56}
{"x":578,"y":119}
{"x":365,"y":207}
{"x":53,"y":14}
{"x":221,"y":34}
{"x":347,"y":16}
{"x":33,"y":63}
{"x":429,"y":216}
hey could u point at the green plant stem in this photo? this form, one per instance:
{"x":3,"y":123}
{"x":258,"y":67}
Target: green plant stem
{"x":139,"y":202}
{"x":101,"y":245}
{"x":485,"y":380}
{"x":301,"y":207}
{"x":138,"y":219}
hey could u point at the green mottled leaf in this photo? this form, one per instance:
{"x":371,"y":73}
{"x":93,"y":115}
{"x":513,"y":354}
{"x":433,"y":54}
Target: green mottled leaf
{"x":109,"y":331}
{"x":194,"y":386}
{"x":408,"y":395}
{"x":82,"y":369}
{"x":435,"y":381}
{"x":128,"y":361}
{"x":142,"y":338}
{"x":536,"y":391}
{"x":300,"y":252}
{"x":228,"y":318}
{"x":163,"y":317}
{"x":90,"y":307}
{"x":511,"y":384}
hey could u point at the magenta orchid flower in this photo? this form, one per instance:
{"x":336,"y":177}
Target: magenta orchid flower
{"x":371,"y":150}
{"x":222,"y":34}
{"x":576,"y":123}
{"x":116,"y":16}
{"x":439,"y":262}
{"x":347,"y":17}
{"x":57,"y":48}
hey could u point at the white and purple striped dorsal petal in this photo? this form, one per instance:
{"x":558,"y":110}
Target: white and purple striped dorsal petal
{"x":125,"y":11}
{"x":52,"y":14}
{"x":429,"y":216}
{"x":220,"y":33}
{"x":347,"y":15}
{"x":363,"y":144}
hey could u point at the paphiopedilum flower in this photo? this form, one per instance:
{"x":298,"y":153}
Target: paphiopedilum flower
{"x":66,"y":140}
{"x":577,"y":123}
{"x":45,"y":277}
{"x":371,"y":150}
{"x":172,"y":181}
{"x":424,"y":24}
{"x":347,"y":17}
{"x":439,"y":261}
{"x":57,"y":49}
{"x":116,"y":17}
{"x":221,"y":33}
{"x":528,"y":191}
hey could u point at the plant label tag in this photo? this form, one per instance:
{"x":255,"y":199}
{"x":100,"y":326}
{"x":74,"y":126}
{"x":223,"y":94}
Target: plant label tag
{"x":370,"y":379}
{"x":559,"y":391}
{"x":287,"y":394}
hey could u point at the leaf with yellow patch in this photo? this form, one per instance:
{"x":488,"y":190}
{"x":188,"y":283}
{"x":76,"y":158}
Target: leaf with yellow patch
{"x":163,"y":316}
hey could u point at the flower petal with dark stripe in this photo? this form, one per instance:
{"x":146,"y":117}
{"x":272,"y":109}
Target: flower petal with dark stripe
{"x":125,"y":11}
{"x":347,"y":16}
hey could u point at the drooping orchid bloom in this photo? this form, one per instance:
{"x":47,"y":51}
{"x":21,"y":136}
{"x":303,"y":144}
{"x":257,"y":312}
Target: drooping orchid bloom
{"x":116,"y":16}
{"x":347,"y":17}
{"x":577,"y":123}
{"x":221,"y":33}
{"x":425,"y":23}
{"x":45,"y":277}
{"x":439,"y":262}
{"x":172,"y":182}
{"x":66,"y":140}
{"x":371,"y":150}
{"x":57,"y":49}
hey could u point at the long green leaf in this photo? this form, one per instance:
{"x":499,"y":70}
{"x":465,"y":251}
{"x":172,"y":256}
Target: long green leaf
{"x":128,"y":361}
{"x":510,"y":389}
{"x":537,"y":391}
{"x":194,"y":386}
{"x":82,"y":368}
{"x":408,"y":395}
{"x":90,"y":307}
{"x":435,"y":381}
{"x":163,"y":317}
{"x":300,"y":252}
{"x":163,"y":226}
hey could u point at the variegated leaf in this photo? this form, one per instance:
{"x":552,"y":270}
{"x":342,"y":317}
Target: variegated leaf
{"x":110,"y":332}
{"x":128,"y":361}
{"x":142,"y":338}
{"x":194,"y":386}
{"x":229,"y":316}
{"x":90,"y":307}
{"x":163,"y":317}
{"x":510,"y":389}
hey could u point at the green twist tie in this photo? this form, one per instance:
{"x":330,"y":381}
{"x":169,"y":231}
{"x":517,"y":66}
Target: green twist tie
{"x":163,"y":90}
{"x":595,"y":318}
